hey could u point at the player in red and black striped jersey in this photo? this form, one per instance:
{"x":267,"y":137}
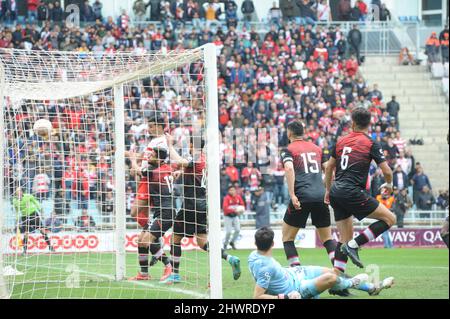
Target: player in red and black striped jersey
{"x":351,"y":158}
{"x":160,"y":184}
{"x":192,"y":218}
{"x":303,"y":163}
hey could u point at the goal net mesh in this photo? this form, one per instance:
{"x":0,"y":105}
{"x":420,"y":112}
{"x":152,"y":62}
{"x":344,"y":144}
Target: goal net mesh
{"x":68,"y":179}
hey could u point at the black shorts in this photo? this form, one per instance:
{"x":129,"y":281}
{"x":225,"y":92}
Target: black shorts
{"x":162,"y":221}
{"x":191,"y":219}
{"x":320,"y":215}
{"x":30,"y":223}
{"x":347,"y":203}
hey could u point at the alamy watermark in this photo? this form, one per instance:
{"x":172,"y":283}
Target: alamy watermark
{"x":73,"y":18}
{"x":73,"y":279}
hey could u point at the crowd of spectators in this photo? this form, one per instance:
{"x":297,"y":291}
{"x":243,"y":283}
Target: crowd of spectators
{"x":201,"y":12}
{"x":294,"y":71}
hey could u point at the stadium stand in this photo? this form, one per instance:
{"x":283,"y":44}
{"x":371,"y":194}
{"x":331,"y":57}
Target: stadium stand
{"x":265,"y":81}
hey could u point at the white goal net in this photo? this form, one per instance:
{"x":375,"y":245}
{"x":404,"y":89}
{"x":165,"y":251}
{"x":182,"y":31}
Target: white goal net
{"x":69,"y":201}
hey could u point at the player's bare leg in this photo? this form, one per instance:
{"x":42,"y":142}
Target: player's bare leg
{"x":319,"y":279}
{"x":385,"y":215}
{"x":385,"y":220}
{"x":324,"y":282}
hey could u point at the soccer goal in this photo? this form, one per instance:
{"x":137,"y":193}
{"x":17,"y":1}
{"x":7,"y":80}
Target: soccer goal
{"x":66,"y":229}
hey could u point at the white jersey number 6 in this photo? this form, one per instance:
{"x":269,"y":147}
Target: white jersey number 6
{"x":344,"y":157}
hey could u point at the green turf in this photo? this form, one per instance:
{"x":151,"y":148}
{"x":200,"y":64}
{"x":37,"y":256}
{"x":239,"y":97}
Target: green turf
{"x":419,"y":273}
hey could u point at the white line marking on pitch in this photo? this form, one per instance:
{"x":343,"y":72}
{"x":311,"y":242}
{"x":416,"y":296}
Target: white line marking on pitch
{"x":138,"y":283}
{"x":414,"y":267}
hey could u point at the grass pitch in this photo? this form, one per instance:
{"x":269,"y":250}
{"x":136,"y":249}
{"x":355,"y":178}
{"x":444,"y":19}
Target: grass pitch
{"x":419,"y":273}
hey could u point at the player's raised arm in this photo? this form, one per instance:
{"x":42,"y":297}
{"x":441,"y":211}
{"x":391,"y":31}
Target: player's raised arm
{"x":133,"y":156}
{"x":377,"y":154}
{"x":174,"y":156}
{"x":387,"y":173}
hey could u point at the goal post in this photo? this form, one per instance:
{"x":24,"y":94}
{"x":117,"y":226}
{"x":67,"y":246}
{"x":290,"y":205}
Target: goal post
{"x":99,"y":107}
{"x":4,"y":293}
{"x":213,"y":159}
{"x":119,"y":189}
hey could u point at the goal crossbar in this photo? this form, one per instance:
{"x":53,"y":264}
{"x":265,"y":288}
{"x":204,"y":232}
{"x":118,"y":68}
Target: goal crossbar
{"x":37,"y":86}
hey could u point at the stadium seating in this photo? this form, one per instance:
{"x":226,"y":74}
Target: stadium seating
{"x":437,"y":70}
{"x":269,"y":54}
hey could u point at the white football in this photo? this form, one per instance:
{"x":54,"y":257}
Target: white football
{"x":43,"y":128}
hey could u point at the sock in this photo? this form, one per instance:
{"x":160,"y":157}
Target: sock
{"x":365,"y":286}
{"x":47,"y":240}
{"x":330,"y":246}
{"x":340,"y":260}
{"x":291,"y":253}
{"x":342,"y":284}
{"x":165,"y":260}
{"x":224,"y":254}
{"x":158,"y":253}
{"x":153,"y":261}
{"x":143,"y":259}
{"x":175,"y":251}
{"x":445,"y":239}
{"x":370,"y":233}
{"x":25,"y":243}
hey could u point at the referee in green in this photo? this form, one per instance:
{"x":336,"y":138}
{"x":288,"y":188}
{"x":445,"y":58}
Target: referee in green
{"x":28,"y":207}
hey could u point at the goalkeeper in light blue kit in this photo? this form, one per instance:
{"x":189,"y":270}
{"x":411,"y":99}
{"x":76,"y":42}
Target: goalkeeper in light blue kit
{"x":301,"y":282}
